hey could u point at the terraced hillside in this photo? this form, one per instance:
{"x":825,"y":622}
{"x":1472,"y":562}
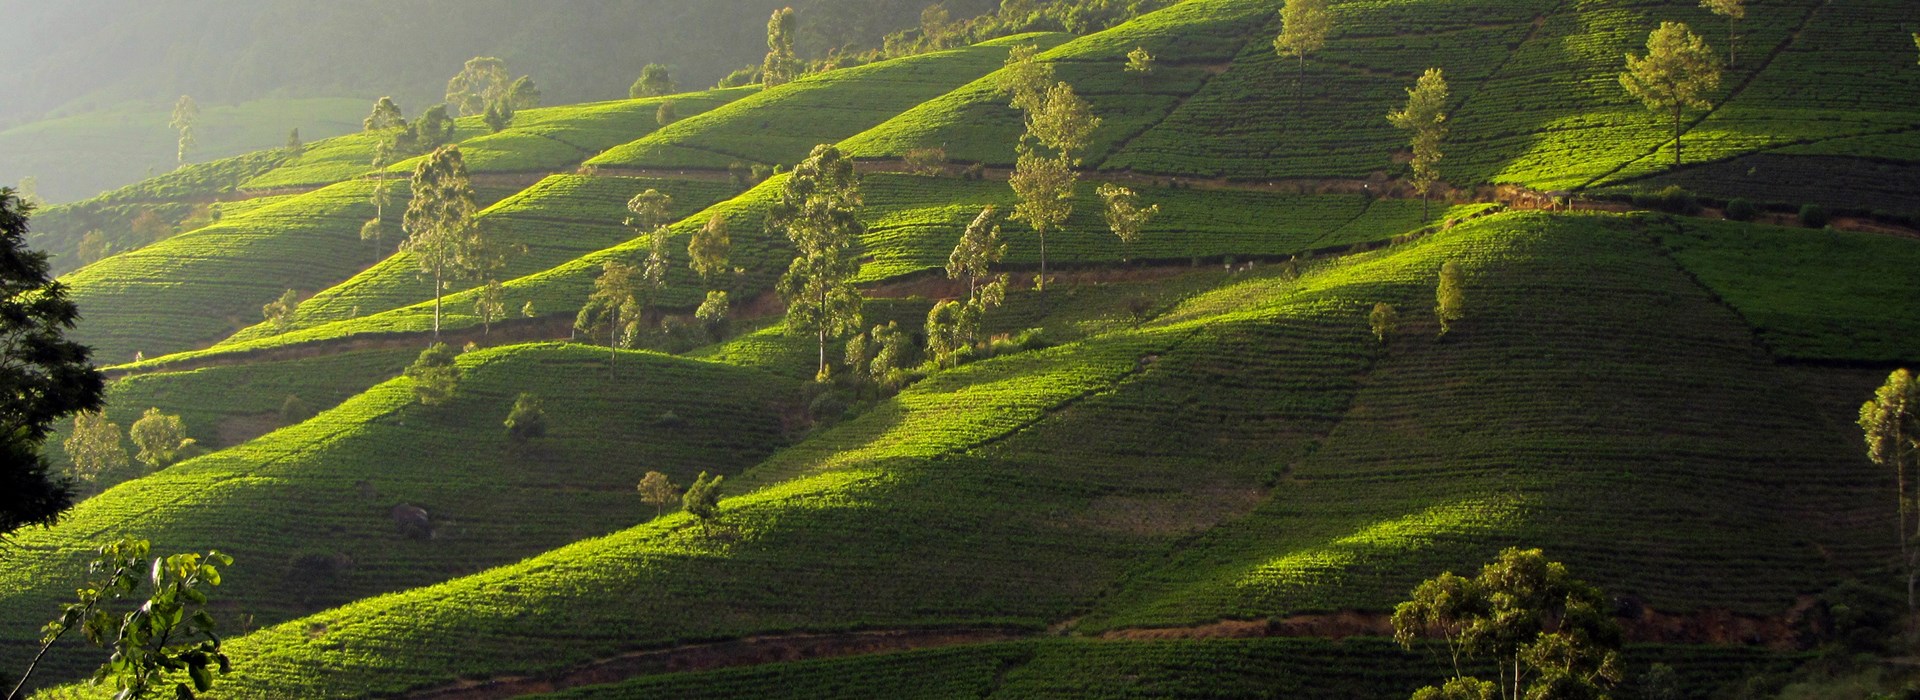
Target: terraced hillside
{"x":1195,"y":435}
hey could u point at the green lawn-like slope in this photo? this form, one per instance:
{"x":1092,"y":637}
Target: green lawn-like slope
{"x":224,"y":405}
{"x":914,"y":222}
{"x":1595,"y":402}
{"x":326,"y":485}
{"x":781,"y":125}
{"x":556,"y":220}
{"x":975,"y":124}
{"x":197,"y":287}
{"x":979,"y":496}
{"x":1811,"y":295}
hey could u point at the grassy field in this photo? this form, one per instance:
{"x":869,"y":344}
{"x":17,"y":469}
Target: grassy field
{"x":197,"y":287}
{"x":1595,"y":403}
{"x":326,"y":485}
{"x":1810,"y":295}
{"x":975,"y":125}
{"x":783,"y":124}
{"x":561,"y":218}
{"x":227,"y":404}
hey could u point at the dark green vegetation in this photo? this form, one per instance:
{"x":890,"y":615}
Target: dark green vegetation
{"x":1294,"y":668}
{"x":1214,"y":429}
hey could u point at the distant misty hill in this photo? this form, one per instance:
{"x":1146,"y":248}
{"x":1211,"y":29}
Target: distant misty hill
{"x":76,"y":56}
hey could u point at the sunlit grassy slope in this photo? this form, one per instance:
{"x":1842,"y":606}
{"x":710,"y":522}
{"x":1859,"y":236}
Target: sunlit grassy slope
{"x":781,"y":125}
{"x":1028,"y":489}
{"x":326,"y":485}
{"x":1652,"y":399}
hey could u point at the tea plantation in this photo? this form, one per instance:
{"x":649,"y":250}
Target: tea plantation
{"x":1210,"y":431}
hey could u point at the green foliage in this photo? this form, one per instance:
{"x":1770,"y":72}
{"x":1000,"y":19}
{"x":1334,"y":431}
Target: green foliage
{"x":1425,"y":119}
{"x":168,"y":634}
{"x":1548,"y":634}
{"x":658,"y":490}
{"x":442,"y":237}
{"x":279,"y":312}
{"x":702,"y":500}
{"x":95,"y":448}
{"x":186,"y":114}
{"x":45,"y":377}
{"x":435,"y":375}
{"x":327,"y":484}
{"x":528,"y":419}
{"x":1741,"y":210}
{"x":1384,"y":321}
{"x":1125,"y":217}
{"x":781,"y":66}
{"x":1677,"y":74}
{"x":161,"y":438}
{"x":1304,"y":25}
{"x":1450,"y":296}
{"x":1813,"y":216}
{"x":819,"y":211}
{"x":654,"y":81}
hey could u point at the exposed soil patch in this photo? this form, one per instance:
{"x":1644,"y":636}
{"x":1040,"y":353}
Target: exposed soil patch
{"x":699,"y":657}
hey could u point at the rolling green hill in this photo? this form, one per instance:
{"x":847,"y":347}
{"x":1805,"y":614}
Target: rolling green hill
{"x":1195,"y":435}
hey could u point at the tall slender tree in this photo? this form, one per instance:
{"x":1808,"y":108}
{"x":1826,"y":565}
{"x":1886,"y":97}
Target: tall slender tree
{"x":1734,"y":11}
{"x":1450,"y":296}
{"x":709,"y":248}
{"x":1304,"y":25}
{"x":186,"y":114}
{"x":1024,"y":78}
{"x":1425,"y":118}
{"x":781,"y":65}
{"x":380,"y":196}
{"x":1677,"y":74}
{"x":1889,"y":422}
{"x":819,"y":211}
{"x":442,"y":237}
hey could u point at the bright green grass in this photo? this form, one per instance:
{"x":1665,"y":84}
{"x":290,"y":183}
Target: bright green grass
{"x":975,"y":125}
{"x":1215,"y":668}
{"x":223,"y":405}
{"x":561,"y":218}
{"x":194,"y":288}
{"x":326,"y":484}
{"x":914,"y":222}
{"x":80,"y":156}
{"x":1004,"y":492}
{"x":1595,"y":402}
{"x":1820,"y":91}
{"x":783,"y":124}
{"x":1810,"y":295}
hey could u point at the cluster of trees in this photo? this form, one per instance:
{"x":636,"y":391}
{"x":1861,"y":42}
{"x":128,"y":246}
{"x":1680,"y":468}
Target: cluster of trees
{"x":1547,"y":634}
{"x":701,"y":500}
{"x":624,"y":302}
{"x":99,"y":456}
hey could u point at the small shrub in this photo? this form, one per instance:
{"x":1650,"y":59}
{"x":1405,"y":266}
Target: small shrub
{"x":294,"y":410}
{"x":528,"y":418}
{"x":1741,"y":210}
{"x":1813,"y":216}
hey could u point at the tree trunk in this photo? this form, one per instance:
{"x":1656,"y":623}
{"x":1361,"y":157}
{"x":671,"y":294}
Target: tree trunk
{"x":1732,"y":43}
{"x":1423,"y":207}
{"x":1042,"y":282}
{"x":436,"y":304}
{"x":1676,"y":137}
